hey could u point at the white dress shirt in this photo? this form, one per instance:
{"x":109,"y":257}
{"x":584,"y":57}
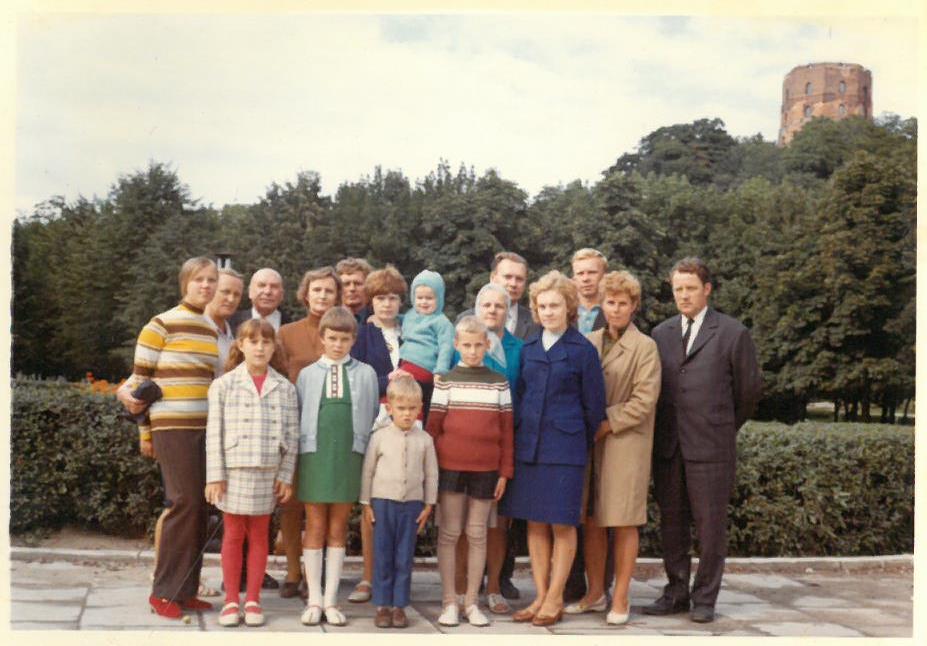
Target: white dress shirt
{"x":696,"y":326}
{"x":273,"y":318}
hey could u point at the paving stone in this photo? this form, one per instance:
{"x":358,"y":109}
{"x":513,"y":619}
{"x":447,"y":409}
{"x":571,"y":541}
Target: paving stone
{"x":759,"y":612}
{"x":135,"y":596}
{"x":733,"y":596}
{"x":860,"y":618}
{"x":43,"y":625}
{"x":22,"y":593}
{"x":34,"y":611}
{"x":136,"y":615}
{"x":761,"y":581}
{"x":821,"y":602}
{"x":888,"y":631}
{"x":807,"y":629}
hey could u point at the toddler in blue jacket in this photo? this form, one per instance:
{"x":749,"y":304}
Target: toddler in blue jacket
{"x":427,"y":335}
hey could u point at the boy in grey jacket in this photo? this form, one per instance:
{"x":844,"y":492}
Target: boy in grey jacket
{"x":399,"y":487}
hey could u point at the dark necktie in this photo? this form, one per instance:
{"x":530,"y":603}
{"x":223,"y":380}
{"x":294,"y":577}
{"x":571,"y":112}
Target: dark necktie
{"x":685,"y":336}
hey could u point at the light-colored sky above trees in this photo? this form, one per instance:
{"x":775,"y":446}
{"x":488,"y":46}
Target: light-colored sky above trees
{"x":236,"y":102}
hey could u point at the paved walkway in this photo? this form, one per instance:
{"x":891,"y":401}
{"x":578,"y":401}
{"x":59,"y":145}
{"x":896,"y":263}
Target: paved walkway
{"x":108,"y":590}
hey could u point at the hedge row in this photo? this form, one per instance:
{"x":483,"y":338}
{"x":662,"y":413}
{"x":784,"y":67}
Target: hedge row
{"x":809,"y":489}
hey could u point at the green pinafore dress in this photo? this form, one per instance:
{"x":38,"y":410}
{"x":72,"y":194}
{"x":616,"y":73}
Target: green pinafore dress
{"x":333,"y":472}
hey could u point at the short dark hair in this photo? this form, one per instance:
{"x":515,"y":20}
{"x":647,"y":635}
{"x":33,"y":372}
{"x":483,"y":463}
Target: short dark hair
{"x":691,"y":265}
{"x":507,"y":255}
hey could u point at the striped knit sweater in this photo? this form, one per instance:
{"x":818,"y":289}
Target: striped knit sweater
{"x":177,"y":349}
{"x":471,"y":421}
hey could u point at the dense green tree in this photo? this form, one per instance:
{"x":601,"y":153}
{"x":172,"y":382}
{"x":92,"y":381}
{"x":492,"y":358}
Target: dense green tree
{"x":694,"y":150}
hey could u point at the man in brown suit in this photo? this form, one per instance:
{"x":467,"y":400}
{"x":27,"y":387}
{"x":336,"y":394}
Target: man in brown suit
{"x":711,"y":383}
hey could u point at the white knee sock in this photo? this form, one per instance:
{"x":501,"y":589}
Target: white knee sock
{"x":334,"y":559}
{"x":312,"y":559}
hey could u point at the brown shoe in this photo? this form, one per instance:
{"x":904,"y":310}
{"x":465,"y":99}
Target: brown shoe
{"x":399,"y":618}
{"x":541,"y":620}
{"x":383,"y":619}
{"x":289,"y":589}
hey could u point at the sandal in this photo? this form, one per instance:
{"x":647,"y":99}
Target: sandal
{"x":361,"y":593}
{"x":253,"y":614}
{"x":230,"y":615}
{"x":497,"y":604}
{"x":335,"y":617}
{"x":312,"y":616}
{"x":205,"y":591}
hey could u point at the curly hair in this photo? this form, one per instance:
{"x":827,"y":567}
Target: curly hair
{"x":555,"y":281}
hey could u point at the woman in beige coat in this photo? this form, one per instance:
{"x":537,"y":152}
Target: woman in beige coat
{"x":620,"y":469}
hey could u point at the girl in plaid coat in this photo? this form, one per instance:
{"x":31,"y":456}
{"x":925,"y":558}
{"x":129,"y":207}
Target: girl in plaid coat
{"x":251,"y":445}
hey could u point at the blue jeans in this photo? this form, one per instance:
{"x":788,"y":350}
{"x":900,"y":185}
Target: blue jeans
{"x":394,"y":533}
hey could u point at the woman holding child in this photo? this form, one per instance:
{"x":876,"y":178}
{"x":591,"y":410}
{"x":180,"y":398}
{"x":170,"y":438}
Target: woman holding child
{"x":561,"y":405}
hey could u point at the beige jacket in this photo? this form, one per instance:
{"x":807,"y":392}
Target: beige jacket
{"x":400,"y":465}
{"x":622,"y":458}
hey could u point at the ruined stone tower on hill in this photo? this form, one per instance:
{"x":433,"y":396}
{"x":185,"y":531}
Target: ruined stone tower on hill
{"x":832,"y":90}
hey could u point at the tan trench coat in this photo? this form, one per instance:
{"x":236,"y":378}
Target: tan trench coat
{"x":622,"y":459}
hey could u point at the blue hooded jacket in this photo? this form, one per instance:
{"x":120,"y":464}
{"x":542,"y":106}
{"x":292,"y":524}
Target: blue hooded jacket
{"x":428,"y":339}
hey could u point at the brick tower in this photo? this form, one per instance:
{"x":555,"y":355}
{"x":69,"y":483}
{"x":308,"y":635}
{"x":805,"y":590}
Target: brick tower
{"x":832,"y":90}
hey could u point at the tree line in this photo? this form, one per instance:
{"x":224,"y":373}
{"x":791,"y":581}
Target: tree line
{"x":812,"y":246}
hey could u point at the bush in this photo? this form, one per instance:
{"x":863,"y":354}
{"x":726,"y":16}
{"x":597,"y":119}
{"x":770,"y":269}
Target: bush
{"x":811,"y":489}
{"x":74,"y":462}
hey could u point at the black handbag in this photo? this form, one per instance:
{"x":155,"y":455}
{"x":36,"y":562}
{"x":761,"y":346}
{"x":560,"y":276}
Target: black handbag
{"x":149,"y":392}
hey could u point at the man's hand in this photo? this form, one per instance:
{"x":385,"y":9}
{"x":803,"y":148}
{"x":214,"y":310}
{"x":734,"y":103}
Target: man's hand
{"x":604,"y":430}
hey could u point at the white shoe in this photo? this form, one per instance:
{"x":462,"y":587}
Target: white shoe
{"x":253,"y":614}
{"x":618,"y":618}
{"x":311,"y":616}
{"x":449,"y":617}
{"x":335,"y":617}
{"x":227,"y":617}
{"x":476,"y":617}
{"x":359,"y":595}
{"x":497,"y":604}
{"x":581,"y":606}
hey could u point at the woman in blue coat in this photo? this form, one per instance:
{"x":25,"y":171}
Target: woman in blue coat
{"x":561,"y":403}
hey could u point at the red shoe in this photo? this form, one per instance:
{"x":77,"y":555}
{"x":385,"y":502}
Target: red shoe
{"x":195,"y":604}
{"x":165,"y":608}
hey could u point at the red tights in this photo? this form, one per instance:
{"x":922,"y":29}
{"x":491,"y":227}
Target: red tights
{"x":237,"y":527}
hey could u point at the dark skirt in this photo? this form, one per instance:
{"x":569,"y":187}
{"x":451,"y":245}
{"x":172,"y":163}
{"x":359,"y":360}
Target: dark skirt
{"x":476,"y":484}
{"x":544,"y":493}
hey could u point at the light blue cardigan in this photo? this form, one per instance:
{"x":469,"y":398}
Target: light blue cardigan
{"x":365,"y":402}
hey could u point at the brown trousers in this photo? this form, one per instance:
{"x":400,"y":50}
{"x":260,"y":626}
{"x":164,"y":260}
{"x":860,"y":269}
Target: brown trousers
{"x":182,"y":456}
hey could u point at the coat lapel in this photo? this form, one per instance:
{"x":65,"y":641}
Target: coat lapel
{"x":708,"y":329}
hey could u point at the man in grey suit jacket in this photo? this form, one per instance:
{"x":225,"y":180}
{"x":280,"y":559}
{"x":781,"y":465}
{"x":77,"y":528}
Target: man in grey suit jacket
{"x":510,"y":271}
{"x":266,"y":293}
{"x":711,"y":384}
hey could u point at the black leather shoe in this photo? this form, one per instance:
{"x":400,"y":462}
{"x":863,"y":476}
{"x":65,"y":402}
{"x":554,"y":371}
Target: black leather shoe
{"x":702,"y":614}
{"x":269,"y":582}
{"x":508,"y":589}
{"x":666,"y":605}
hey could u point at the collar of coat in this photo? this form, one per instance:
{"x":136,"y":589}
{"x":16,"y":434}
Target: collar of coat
{"x":626,"y":342}
{"x":243,"y":380}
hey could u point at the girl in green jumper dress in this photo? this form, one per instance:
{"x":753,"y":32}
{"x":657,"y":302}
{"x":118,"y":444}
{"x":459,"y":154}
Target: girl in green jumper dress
{"x":339,"y":400}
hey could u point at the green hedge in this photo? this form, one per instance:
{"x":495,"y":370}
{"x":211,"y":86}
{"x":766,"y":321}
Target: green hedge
{"x":809,"y":489}
{"x":74,"y":462}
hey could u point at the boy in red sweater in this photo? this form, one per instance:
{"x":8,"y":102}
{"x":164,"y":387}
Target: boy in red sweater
{"x":471,"y":422}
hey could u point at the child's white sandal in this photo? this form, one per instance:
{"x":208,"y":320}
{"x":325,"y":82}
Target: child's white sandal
{"x":311,"y":616}
{"x":335,"y":617}
{"x":253,"y":614}
{"x":228,"y":618}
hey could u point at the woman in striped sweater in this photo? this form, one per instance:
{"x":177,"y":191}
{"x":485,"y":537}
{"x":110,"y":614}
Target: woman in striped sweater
{"x":177,"y":350}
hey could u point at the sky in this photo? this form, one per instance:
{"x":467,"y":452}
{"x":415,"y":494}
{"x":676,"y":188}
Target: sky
{"x":235,"y":102}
